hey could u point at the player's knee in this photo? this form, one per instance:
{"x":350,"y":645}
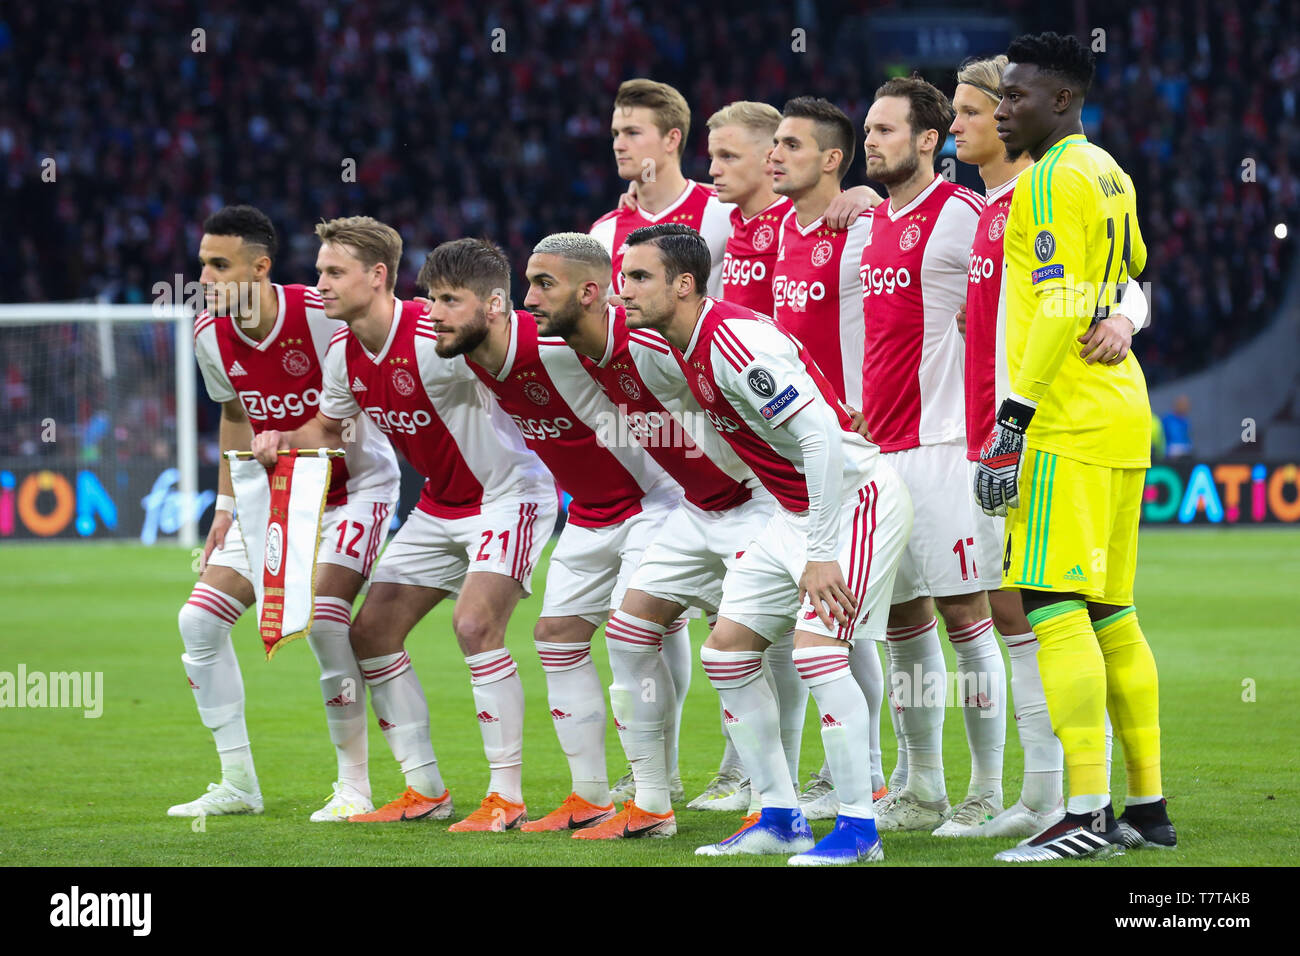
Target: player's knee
{"x":1035,"y":600}
{"x":561,"y":630}
{"x":476,"y":634}
{"x":203,"y":635}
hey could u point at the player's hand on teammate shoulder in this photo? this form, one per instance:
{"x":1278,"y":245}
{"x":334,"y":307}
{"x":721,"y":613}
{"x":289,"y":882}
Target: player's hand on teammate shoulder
{"x":822,"y":585}
{"x":961,"y":320}
{"x":266,"y":447}
{"x":859,"y":422}
{"x":848,"y":205}
{"x":1107,"y":341}
{"x":997,"y":478}
{"x":628,"y":199}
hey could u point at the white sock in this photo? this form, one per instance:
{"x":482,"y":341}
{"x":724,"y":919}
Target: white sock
{"x":864,"y":664}
{"x":577,"y":703}
{"x":730,"y":758}
{"x":845,"y":723}
{"x":342,"y":690}
{"x":898,"y":778}
{"x":755,"y":723}
{"x":499,"y":705}
{"x":982,"y":686}
{"x":919,"y":668}
{"x":791,"y":698}
{"x":677,"y":656}
{"x":641,"y":697}
{"x":1044,"y":758}
{"x":210,"y":663}
{"x":403,"y":715}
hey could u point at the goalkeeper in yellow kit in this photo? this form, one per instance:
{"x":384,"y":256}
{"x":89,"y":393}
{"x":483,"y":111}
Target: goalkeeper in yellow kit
{"x":1069,"y":451}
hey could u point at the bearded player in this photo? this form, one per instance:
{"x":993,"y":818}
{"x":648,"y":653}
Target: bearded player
{"x":261,"y":356}
{"x":620,"y":498}
{"x":484,"y":515}
{"x":1067,"y":457}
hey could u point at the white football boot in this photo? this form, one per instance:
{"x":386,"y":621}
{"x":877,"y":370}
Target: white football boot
{"x":729,"y":790}
{"x":1020,"y":821}
{"x":970,"y":817}
{"x":222,"y":799}
{"x":347,"y":801}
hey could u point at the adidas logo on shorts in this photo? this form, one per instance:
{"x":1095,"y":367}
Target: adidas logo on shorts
{"x":1075,"y":574}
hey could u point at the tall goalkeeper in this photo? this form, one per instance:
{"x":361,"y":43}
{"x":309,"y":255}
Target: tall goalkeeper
{"x":1068,"y":454}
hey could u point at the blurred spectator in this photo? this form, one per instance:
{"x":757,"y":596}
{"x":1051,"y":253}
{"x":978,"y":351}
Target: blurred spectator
{"x":1178,"y":433}
{"x":413,"y":114}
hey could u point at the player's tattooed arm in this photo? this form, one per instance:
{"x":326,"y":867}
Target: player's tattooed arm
{"x":234,"y":433}
{"x":848,"y":205}
{"x":319,"y":432}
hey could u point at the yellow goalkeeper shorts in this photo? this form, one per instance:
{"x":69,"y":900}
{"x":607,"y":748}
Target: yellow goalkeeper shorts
{"x":1076,"y":529}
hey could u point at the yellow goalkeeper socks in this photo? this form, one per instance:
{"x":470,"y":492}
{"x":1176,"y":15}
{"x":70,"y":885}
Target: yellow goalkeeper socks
{"x":1074,"y":682}
{"x":1133,"y":697}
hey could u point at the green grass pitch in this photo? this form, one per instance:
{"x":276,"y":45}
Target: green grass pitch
{"x":1219,"y":608}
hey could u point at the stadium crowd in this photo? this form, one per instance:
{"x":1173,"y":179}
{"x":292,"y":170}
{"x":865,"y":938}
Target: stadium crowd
{"x":436,"y":124}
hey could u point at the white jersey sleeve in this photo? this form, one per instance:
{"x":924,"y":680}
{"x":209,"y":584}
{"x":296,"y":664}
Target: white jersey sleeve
{"x":773,"y":385}
{"x":1133,"y":305}
{"x":715,"y":227}
{"x":208,"y":356}
{"x":336,"y":398}
{"x":853,"y":323}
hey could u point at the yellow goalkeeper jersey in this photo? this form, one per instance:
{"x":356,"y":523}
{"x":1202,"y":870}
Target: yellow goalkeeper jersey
{"x":1071,"y":243}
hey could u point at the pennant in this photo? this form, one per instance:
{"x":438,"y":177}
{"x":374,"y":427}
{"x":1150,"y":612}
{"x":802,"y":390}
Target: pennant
{"x":279,"y":512}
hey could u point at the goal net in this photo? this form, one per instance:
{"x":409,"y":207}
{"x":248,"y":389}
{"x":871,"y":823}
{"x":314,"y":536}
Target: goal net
{"x":90,"y":400}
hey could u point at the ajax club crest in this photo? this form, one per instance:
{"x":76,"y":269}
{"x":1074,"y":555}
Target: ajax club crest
{"x":403,"y":381}
{"x":629,"y":386}
{"x":705,"y":388}
{"x":537,"y":393}
{"x":997,"y":227}
{"x":764,"y":235}
{"x":910,"y":237}
{"x":821,"y":253}
{"x":296,"y":362}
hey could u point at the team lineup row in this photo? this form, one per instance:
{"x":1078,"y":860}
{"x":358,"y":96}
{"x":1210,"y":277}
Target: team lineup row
{"x":806,"y":377}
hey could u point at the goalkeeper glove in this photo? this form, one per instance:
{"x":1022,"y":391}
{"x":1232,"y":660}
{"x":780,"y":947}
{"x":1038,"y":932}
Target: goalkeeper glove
{"x":997,"y":479}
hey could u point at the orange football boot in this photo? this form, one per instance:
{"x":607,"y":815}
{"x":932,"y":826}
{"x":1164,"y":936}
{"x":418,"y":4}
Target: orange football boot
{"x":881,"y":793}
{"x":749,"y":820}
{"x":494,"y":815}
{"x":574,"y":813}
{"x":629,"y":823}
{"x":411,"y":805}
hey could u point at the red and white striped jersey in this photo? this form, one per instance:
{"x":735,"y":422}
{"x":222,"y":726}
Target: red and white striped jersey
{"x":750,"y":259}
{"x":640,"y":376}
{"x":559,"y":410}
{"x":913,"y":281}
{"x":751,"y":376}
{"x":278,"y":382}
{"x":698,"y":207}
{"x":818,"y":296}
{"x":986,"y":328}
{"x":436,"y":413}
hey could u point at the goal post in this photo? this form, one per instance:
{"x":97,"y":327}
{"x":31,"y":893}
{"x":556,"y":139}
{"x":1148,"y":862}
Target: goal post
{"x":99,"y":422}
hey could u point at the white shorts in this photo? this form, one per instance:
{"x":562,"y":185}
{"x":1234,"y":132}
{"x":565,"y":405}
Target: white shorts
{"x":762,"y":590}
{"x":590,"y":568}
{"x":352,"y":535}
{"x":990,"y":543}
{"x":941,"y":558}
{"x":505,"y":537}
{"x":693,"y":551}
